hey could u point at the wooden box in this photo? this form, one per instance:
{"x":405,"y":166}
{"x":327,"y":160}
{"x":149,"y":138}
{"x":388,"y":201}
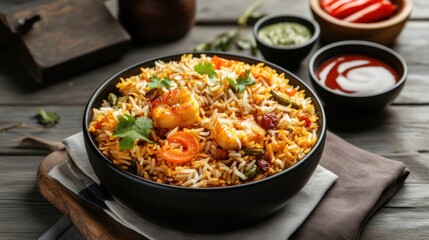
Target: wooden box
{"x":69,"y":37}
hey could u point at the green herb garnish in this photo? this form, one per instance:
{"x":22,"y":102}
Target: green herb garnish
{"x":251,"y":172}
{"x":283,"y":100}
{"x":112,"y":99}
{"x":132,"y":130}
{"x":158,"y":83}
{"x":225,"y":40}
{"x":242,"y":82}
{"x":205,"y":68}
{"x":47,"y":119}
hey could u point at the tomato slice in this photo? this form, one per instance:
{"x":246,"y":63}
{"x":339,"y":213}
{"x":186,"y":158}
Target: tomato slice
{"x":304,"y":117}
{"x":221,"y":62}
{"x":190,"y":147}
{"x":217,"y":62}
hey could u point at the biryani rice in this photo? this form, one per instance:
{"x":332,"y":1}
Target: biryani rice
{"x":286,"y":144}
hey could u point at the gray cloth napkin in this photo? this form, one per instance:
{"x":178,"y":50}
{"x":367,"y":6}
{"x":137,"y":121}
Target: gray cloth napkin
{"x":78,"y":176}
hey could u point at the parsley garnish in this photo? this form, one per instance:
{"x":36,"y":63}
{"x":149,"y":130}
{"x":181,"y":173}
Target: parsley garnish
{"x":47,"y":119}
{"x":157,"y":83}
{"x":132,"y":130}
{"x":242,"y":82}
{"x":206,"y":68}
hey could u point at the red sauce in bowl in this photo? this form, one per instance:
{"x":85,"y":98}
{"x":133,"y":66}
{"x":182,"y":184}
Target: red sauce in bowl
{"x":356,"y":74}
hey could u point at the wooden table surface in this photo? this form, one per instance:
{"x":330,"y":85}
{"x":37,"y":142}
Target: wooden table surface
{"x":400,"y":132}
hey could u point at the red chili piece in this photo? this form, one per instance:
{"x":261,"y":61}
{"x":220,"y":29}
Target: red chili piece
{"x":221,"y":154}
{"x":269,"y":121}
{"x":374,"y":13}
{"x":351,"y":7}
{"x":336,"y":4}
{"x":326,"y":3}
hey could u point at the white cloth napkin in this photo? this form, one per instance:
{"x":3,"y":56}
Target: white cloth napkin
{"x":78,"y":176}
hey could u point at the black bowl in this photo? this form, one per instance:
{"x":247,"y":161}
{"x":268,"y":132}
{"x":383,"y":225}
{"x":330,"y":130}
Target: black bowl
{"x":201,"y":209}
{"x":288,"y":57}
{"x":361,"y":103}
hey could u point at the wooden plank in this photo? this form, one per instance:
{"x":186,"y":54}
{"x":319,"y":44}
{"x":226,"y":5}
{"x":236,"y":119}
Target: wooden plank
{"x":225,"y":11}
{"x":420,"y":10}
{"x":398,"y":223}
{"x":405,"y":216}
{"x":393,"y":131}
{"x":25,"y":213}
{"x":70,"y":123}
{"x":7,"y":5}
{"x":411,"y":195}
{"x":228,"y":11}
{"x":412,"y":46}
{"x":417,"y":163}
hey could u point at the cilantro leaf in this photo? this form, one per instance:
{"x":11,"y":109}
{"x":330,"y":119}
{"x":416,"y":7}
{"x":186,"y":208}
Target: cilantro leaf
{"x":206,"y":68}
{"x":47,"y":119}
{"x":232,"y":82}
{"x":126,"y":122}
{"x":132,"y":130}
{"x":144,"y":126}
{"x":242,"y":82}
{"x":127,"y":143}
{"x":157,"y":83}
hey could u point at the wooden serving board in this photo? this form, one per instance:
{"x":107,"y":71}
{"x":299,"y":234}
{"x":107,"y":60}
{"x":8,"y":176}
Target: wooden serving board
{"x":92,"y":222}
